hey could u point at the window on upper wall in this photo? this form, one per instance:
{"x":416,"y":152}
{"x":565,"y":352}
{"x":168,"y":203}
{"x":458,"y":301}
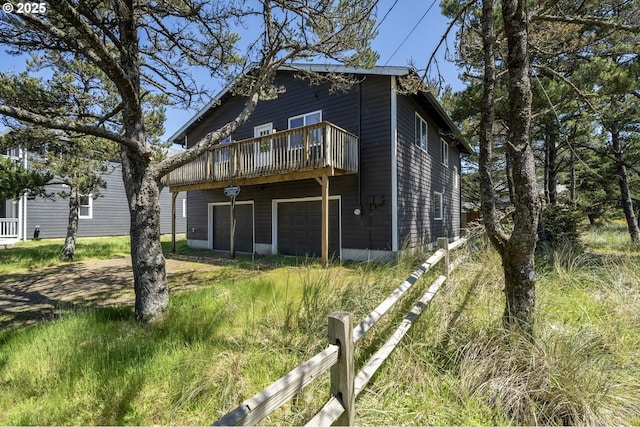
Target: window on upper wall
{"x":85,"y":211}
{"x":315,"y":136}
{"x":438,"y":209}
{"x":223,"y":153}
{"x":422,"y":135}
{"x":444,"y":152}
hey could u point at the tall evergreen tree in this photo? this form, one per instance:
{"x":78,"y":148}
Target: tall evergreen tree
{"x":145,"y":48}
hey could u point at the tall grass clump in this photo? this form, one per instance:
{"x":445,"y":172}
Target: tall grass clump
{"x":457,"y":366}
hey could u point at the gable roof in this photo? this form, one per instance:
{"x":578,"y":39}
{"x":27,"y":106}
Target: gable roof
{"x":424,"y":98}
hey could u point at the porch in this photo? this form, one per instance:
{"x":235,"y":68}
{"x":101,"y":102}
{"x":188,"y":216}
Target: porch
{"x":301,"y":153}
{"x":9,"y":232}
{"x":9,"y":228}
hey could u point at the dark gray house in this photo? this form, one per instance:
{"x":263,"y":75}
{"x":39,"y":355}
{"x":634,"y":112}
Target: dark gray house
{"x":107,"y":215}
{"x":366,"y":173}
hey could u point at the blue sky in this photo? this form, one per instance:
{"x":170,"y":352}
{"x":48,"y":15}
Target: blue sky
{"x":398,"y":43}
{"x":390,"y":43}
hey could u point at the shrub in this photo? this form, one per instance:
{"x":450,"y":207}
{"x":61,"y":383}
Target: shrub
{"x":560,"y":225}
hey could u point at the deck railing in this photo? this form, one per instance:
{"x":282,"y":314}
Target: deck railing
{"x":9,"y":227}
{"x":310,"y":147}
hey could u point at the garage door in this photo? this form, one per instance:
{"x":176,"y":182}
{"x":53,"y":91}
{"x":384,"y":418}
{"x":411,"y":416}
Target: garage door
{"x":300,"y":228}
{"x":222,"y":227}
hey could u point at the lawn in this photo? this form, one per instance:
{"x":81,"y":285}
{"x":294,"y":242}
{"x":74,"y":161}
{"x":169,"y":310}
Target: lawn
{"x":247,"y":322}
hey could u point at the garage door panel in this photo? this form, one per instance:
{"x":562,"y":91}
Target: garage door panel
{"x":300,"y":228}
{"x":222,"y":227}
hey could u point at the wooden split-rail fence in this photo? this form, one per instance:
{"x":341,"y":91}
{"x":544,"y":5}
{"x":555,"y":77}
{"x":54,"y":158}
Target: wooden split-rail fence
{"x":338,"y":357}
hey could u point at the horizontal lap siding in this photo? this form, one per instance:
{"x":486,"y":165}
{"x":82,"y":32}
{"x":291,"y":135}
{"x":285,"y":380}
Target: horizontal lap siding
{"x":262,"y":196}
{"x":375,"y":161}
{"x":110,"y":211}
{"x":300,"y":98}
{"x":420,"y":174}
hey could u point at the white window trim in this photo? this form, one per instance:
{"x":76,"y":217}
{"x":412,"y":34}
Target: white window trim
{"x":304,"y":123}
{"x":260,"y":128}
{"x":304,"y":118}
{"x":440,"y":211}
{"x":456,"y":177}
{"x":444,"y":153}
{"x":90,"y":206}
{"x":426,"y":146}
{"x":265,"y":146}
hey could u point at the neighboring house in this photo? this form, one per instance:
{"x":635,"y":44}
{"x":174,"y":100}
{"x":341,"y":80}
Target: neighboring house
{"x":387,"y":163}
{"x":106,"y":215}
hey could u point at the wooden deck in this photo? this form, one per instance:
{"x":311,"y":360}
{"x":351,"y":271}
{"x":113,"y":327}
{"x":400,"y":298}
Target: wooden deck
{"x":300,"y":153}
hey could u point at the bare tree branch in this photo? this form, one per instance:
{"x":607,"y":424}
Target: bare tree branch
{"x":36,"y":119}
{"x":589,"y":20}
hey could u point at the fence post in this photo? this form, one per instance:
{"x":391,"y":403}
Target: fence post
{"x":443,"y":243}
{"x":342,"y":373}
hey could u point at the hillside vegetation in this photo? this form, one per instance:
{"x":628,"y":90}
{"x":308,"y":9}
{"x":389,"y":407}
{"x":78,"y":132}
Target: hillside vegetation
{"x":247,"y":323}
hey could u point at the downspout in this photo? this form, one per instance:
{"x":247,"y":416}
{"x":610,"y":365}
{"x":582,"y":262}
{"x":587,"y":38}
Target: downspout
{"x":394,"y":166}
{"x":359,"y":143}
{"x":24,"y":202}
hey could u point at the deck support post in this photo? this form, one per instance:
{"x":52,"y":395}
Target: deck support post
{"x":174,"y":195}
{"x":324,"y":182}
{"x":232,"y":232}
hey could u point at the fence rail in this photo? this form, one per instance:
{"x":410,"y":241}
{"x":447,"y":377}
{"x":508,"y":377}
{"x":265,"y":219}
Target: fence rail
{"x":9,"y":227}
{"x":309,"y":147}
{"x":338,"y":356}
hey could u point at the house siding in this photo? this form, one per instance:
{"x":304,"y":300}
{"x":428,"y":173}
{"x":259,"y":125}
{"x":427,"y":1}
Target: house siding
{"x":364,"y":111}
{"x":420,"y":174}
{"x":110,"y":211}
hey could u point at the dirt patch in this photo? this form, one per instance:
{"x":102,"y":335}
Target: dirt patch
{"x":26,"y":298}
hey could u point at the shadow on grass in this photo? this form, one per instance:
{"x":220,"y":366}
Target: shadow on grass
{"x":28,"y":298}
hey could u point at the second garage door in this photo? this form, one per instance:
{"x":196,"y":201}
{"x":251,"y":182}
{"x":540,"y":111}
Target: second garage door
{"x":300,"y":228}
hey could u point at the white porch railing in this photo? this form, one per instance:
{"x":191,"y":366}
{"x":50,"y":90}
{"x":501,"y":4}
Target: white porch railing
{"x":9,"y":227}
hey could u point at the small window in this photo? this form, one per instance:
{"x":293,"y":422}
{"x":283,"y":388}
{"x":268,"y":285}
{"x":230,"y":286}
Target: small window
{"x":422,"y":134}
{"x":456,"y":178}
{"x":85,"y":210}
{"x":184,"y":207}
{"x":437,"y":206}
{"x":223,"y":153}
{"x":444,"y":152}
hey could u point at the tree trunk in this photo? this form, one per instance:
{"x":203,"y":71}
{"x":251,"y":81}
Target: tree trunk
{"x":623,"y":182}
{"x":519,"y":290}
{"x":143,"y":193}
{"x":487,"y":117}
{"x":574,"y":198}
{"x":69,"y":248}
{"x":551,"y":168}
{"x":518,"y":256}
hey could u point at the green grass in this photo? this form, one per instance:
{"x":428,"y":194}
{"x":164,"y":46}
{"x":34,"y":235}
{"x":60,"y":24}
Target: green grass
{"x":35,"y":254}
{"x":247,"y":323}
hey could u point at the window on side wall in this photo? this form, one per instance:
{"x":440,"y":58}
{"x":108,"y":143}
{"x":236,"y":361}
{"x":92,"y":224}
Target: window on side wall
{"x":422,"y":134}
{"x":444,"y":152}
{"x":438,"y":211}
{"x":456,"y":177}
{"x":85,"y":210}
